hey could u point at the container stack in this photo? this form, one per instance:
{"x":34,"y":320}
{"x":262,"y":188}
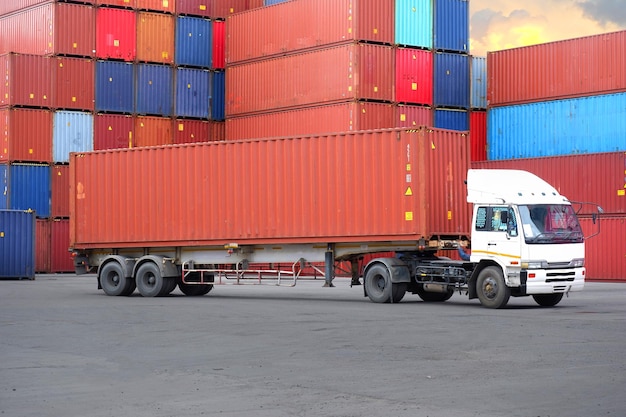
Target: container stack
{"x":559,"y":110}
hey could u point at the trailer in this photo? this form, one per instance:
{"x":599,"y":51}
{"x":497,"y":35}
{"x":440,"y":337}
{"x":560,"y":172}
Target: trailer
{"x":259,"y":211}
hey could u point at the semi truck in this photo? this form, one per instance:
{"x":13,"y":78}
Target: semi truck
{"x":262,"y":210}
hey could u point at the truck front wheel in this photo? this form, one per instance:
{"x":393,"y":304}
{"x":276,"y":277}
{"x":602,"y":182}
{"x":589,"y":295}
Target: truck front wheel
{"x":491,"y":288}
{"x":150,"y":282}
{"x":379,"y":287}
{"x":113,"y":281}
{"x":548,"y":300}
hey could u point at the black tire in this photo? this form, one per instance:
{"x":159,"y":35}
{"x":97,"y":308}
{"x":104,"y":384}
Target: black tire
{"x":379,"y":287}
{"x":170,"y":285}
{"x":195,"y":290}
{"x":548,"y":300}
{"x":149,"y":281}
{"x":433,"y":297}
{"x":113,"y":281}
{"x":491,"y":288}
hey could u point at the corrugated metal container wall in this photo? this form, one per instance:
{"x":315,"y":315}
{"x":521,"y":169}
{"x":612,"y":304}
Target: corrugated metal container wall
{"x":224,"y":8}
{"x":193,"y":41}
{"x":155,"y":37}
{"x":154,"y":85}
{"x":561,"y":127}
{"x":191,"y":131}
{"x":193,"y":92}
{"x":452,"y":78}
{"x":72,"y":132}
{"x":306,"y":24}
{"x":79,"y":37}
{"x":478,"y":135}
{"x":113,"y":131}
{"x":60,"y":191}
{"x":131,"y":4}
{"x":26,"y":187}
{"x":605,"y":254}
{"x":61,"y":260}
{"x":42,"y":246}
{"x":27,"y":81}
{"x":452,"y":119}
{"x":74,"y":83}
{"x":217,"y":131}
{"x":218,"y":95}
{"x":434,"y":167}
{"x":115,"y":87}
{"x":341,"y":73}
{"x":414,"y":23}
{"x":7,"y":7}
{"x":576,"y":176}
{"x":451,"y":25}
{"x":17,"y":244}
{"x":116,"y":34}
{"x":327,"y":119}
{"x":478,"y":96}
{"x":194,"y":7}
{"x":572,"y":68}
{"x":218,"y":46}
{"x":166,"y":6}
{"x":413,"y":116}
{"x":153,"y":131}
{"x":26,"y":135}
{"x":414,"y":76}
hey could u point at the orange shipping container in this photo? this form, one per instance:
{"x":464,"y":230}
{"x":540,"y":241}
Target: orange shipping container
{"x":223,"y":192}
{"x":335,"y":74}
{"x":153,"y":131}
{"x":42,"y":246}
{"x":25,"y":135}
{"x":155,"y":37}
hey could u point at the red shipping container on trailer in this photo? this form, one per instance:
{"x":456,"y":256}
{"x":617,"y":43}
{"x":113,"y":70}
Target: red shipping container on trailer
{"x":155,"y":37}
{"x":316,"y":120}
{"x":116,"y":31}
{"x":60,"y":191}
{"x":43,"y":258}
{"x":418,"y":190}
{"x":605,"y":254}
{"x":218,"y":59}
{"x":27,"y":81}
{"x":25,"y":135}
{"x":305,"y":24}
{"x":578,"y":67}
{"x":598,"y":178}
{"x":413,"y":116}
{"x":165,"y":6}
{"x":113,"y":131}
{"x":335,"y":74}
{"x":74,"y":83}
{"x":61,"y":259}
{"x":414,"y":76}
{"x":153,"y":131}
{"x":478,"y":135}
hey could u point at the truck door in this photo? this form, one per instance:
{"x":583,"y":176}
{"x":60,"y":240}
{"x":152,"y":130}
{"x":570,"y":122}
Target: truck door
{"x":496,"y":235}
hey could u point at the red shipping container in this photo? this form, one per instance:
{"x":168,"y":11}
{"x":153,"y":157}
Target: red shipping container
{"x":336,"y":74}
{"x":191,"y":131}
{"x":413,"y":116}
{"x":478,"y":135}
{"x":27,"y":81}
{"x":43,"y":30}
{"x":60,"y":191}
{"x":578,"y":67}
{"x":221,"y":9}
{"x":26,"y":135}
{"x":418,"y":186}
{"x":74,"y":80}
{"x":605,"y":254}
{"x":316,"y":120}
{"x":194,"y":7}
{"x":113,"y":131}
{"x":61,"y":259}
{"x":599,"y":178}
{"x":7,"y":7}
{"x":153,"y":131}
{"x":217,"y":130}
{"x":43,"y":258}
{"x":155,"y":37}
{"x":219,"y":45}
{"x":166,"y":6}
{"x":306,"y":24}
{"x":414,"y":76}
{"x":131,"y":4}
{"x":116,"y":34}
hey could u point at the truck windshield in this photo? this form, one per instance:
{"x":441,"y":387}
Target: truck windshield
{"x":550,"y":223}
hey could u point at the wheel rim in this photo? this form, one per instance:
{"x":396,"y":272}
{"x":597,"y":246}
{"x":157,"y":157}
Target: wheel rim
{"x":113,"y":279}
{"x":490,"y":288}
{"x":149,"y":280}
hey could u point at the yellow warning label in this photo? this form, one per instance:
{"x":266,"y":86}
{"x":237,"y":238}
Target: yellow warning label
{"x":116,"y":43}
{"x":403,"y":117}
{"x":408,"y":167}
{"x":408,"y":216}
{"x":449,"y":215}
{"x":621,"y":193}
{"x":408,"y":192}
{"x":414,"y":86}
{"x":432,"y":145}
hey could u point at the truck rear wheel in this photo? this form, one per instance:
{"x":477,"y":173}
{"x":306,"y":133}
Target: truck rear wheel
{"x":491,"y":288}
{"x":379,"y":287}
{"x":113,"y":281}
{"x":548,"y":300}
{"x":150,"y":282}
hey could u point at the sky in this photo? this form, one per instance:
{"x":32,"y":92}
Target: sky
{"x":504,"y":24}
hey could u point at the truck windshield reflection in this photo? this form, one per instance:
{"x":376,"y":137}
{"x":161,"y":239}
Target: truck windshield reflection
{"x":550,"y":223}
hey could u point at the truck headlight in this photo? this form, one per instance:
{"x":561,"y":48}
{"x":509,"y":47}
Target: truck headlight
{"x":578,"y":263}
{"x":532,"y":264}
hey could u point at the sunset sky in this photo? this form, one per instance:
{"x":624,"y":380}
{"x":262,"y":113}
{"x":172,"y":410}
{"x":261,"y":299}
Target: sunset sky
{"x":503,"y":24}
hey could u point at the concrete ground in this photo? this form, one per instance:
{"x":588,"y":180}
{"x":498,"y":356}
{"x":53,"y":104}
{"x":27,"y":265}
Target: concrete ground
{"x":67,"y":349}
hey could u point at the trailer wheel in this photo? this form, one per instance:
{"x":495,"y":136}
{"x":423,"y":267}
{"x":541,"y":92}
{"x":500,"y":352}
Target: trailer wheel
{"x":113,"y":281}
{"x":379,"y":287}
{"x":149,"y":281}
{"x":548,"y":300}
{"x":491,"y":288}
{"x":433,"y":297}
{"x":170,"y":285}
{"x":195,"y":290}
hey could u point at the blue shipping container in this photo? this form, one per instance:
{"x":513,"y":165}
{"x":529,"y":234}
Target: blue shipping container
{"x":72,"y":131}
{"x":17,"y":244}
{"x":218,"y":99}
{"x":560,"y":127}
{"x":478,"y":96}
{"x":414,"y":23}
{"x":451,"y":27}
{"x":270,"y":2}
{"x":154,"y":84}
{"x":25,"y":187}
{"x":194,"y":42}
{"x":452,"y":79}
{"x":452,"y":119}
{"x":115,"y":87}
{"x":193,"y":92}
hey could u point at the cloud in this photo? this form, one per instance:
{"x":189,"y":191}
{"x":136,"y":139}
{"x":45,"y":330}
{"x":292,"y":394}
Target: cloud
{"x":604,"y":11}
